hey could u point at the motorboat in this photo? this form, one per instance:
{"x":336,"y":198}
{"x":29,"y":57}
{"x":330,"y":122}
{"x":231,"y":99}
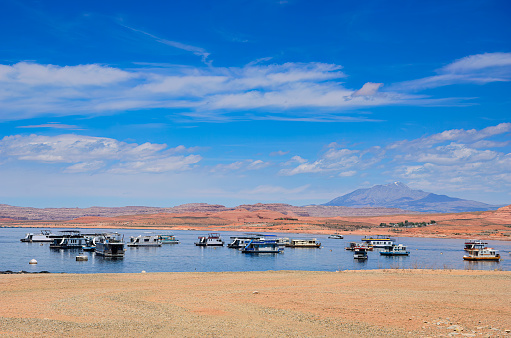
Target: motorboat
{"x":360,"y":253}
{"x":395,"y":250}
{"x":379,"y":241}
{"x":168,"y":239}
{"x":262,"y":246}
{"x":110,"y":245}
{"x":486,"y":254}
{"x":144,"y":241}
{"x":212,"y":239}
{"x":336,"y":236}
{"x":303,"y":243}
{"x":44,"y":236}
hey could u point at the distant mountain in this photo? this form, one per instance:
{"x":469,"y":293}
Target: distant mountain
{"x":399,"y":195}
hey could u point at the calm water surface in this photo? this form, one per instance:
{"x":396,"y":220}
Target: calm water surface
{"x":425,"y":253}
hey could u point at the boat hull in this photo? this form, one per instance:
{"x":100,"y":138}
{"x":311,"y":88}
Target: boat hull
{"x":383,"y":253}
{"x":469,"y":258}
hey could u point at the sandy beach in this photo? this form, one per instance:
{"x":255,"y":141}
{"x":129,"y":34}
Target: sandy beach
{"x":383,"y":303}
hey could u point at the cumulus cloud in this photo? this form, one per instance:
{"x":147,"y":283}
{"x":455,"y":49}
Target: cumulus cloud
{"x":457,"y":159}
{"x":87,"y":153}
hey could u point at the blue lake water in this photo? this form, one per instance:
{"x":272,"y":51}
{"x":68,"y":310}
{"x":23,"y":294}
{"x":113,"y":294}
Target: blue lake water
{"x":425,"y":253}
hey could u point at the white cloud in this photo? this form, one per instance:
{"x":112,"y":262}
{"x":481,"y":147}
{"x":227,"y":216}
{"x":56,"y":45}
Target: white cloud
{"x":52,"y":125}
{"x":241,"y":166}
{"x":477,"y":69}
{"x":33,"y":74}
{"x":279,"y":153}
{"x":368,"y":89}
{"x":29,"y":90}
{"x":89,"y":153}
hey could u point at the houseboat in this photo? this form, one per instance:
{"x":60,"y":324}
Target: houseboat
{"x":360,"y":253}
{"x":474,"y":244}
{"x":395,"y":250}
{"x":486,"y":254}
{"x":44,"y":236}
{"x":239,"y":242}
{"x":336,"y":236}
{"x":262,"y":246}
{"x":168,"y":239}
{"x":283,"y":241}
{"x":303,"y":243}
{"x":212,"y":239}
{"x":144,"y":241}
{"x":353,"y":245}
{"x":68,"y":239}
{"x":378,"y":241}
{"x":110,"y":245}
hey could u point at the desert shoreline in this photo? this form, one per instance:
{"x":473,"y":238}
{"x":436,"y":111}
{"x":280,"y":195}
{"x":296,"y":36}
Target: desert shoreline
{"x":384,"y":303}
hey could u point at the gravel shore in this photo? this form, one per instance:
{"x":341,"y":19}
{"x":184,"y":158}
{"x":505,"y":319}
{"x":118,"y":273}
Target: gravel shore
{"x":377,"y":303}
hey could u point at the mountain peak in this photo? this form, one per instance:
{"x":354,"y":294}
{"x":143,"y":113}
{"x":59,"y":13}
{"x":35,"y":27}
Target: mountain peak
{"x":399,"y":195}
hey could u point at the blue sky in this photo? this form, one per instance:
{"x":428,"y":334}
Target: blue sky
{"x":162,"y":103}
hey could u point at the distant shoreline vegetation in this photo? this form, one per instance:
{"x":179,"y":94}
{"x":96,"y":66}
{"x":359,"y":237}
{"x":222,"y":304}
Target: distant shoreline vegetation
{"x":407,"y":224}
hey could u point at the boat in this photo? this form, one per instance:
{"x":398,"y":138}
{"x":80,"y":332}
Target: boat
{"x":283,"y":241}
{"x":379,"y":241}
{"x":303,"y":243}
{"x":353,"y":245}
{"x":336,"y":236}
{"x":256,"y":246}
{"x":212,"y":239}
{"x":485,"y":254}
{"x":144,"y":241}
{"x":360,"y":252}
{"x":395,"y":250}
{"x":89,"y":246}
{"x":110,"y":245}
{"x":168,"y":239}
{"x":44,"y":236}
{"x":474,"y":244}
{"x":239,"y":242}
{"x":68,"y":239}
{"x":82,"y":257}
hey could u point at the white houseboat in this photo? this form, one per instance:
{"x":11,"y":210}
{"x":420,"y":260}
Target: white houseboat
{"x":44,"y":236}
{"x":378,"y":241}
{"x":168,"y":239}
{"x":395,"y":250}
{"x":486,"y":254}
{"x":68,"y":239}
{"x":212,"y":239}
{"x":303,"y":243}
{"x":239,"y":242}
{"x":144,"y":241}
{"x":262,"y":246}
{"x":474,"y":244}
{"x":110,"y":245}
{"x":360,"y":253}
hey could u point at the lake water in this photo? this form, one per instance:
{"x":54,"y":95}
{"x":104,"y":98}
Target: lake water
{"x":425,"y":253}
